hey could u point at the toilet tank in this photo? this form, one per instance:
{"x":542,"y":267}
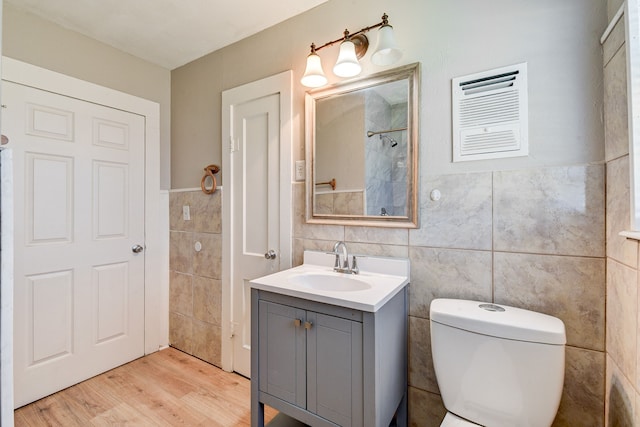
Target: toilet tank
{"x":497,"y":365}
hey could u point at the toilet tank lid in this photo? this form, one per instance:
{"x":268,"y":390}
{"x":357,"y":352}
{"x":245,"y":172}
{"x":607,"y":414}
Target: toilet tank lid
{"x":498,"y":320}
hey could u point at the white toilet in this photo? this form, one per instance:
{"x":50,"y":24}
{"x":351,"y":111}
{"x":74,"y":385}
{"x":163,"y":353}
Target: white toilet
{"x":496,"y":366}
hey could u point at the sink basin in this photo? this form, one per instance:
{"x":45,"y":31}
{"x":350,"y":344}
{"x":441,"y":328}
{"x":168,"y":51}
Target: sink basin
{"x":380,"y":279}
{"x":329,"y":282}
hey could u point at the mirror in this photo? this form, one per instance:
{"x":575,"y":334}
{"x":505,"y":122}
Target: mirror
{"x":362,"y":151}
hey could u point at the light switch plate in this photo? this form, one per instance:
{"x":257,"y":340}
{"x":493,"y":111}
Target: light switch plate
{"x":186,"y":213}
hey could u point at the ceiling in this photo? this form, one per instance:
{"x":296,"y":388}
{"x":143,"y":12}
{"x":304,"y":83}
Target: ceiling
{"x":168,"y":33}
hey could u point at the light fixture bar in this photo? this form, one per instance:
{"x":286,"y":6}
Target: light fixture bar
{"x":385,"y":21}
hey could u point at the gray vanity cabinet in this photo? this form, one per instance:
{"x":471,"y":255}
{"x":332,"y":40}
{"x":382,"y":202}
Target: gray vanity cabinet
{"x":309,"y":361}
{"x":312,"y":360}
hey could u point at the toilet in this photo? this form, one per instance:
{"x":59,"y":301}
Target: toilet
{"x":496,"y":366}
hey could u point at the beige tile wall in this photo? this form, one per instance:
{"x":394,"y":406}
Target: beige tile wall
{"x":622,"y":399}
{"x":529,"y":238}
{"x":342,"y":203}
{"x":195,"y":287}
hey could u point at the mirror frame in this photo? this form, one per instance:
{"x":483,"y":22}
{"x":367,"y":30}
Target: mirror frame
{"x":411,"y":73}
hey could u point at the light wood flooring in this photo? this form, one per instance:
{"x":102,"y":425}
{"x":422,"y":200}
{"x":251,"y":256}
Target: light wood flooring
{"x":167,"y":388}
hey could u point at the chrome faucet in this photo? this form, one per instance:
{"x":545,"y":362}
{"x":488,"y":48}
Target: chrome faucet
{"x":342,"y":266}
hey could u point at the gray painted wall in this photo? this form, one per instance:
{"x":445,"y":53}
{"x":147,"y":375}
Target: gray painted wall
{"x":559,"y":40}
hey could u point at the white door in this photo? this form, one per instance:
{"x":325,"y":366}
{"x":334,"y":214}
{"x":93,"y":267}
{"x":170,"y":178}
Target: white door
{"x":259,"y":202}
{"x":79,"y":214}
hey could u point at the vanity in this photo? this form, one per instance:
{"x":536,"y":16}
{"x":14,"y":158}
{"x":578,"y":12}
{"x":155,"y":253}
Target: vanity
{"x":328,"y":348}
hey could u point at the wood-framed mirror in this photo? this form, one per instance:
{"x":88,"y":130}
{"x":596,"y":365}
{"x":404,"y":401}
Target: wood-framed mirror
{"x":362,"y":150}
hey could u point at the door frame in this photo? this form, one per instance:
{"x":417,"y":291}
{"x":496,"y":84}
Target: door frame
{"x":156,"y":268}
{"x":278,"y":84}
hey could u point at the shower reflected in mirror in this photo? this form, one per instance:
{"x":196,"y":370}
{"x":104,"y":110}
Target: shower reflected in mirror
{"x":363,"y":135}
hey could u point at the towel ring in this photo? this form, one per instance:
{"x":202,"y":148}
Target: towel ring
{"x":209,"y":171}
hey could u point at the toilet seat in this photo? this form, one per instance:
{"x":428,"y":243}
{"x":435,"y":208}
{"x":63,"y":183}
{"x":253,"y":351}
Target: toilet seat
{"x":452,"y":420}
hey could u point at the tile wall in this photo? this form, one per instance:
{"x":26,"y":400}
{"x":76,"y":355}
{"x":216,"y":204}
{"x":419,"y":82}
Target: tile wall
{"x":195,"y":291}
{"x":529,"y":238}
{"x":622,"y":398}
{"x":340,"y":203}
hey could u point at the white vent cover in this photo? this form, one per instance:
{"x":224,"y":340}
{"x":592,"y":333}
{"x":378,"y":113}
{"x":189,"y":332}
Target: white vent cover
{"x":490,"y":117}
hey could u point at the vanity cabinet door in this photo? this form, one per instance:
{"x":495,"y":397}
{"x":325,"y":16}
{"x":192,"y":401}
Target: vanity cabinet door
{"x":283,"y":352}
{"x":334,"y":369}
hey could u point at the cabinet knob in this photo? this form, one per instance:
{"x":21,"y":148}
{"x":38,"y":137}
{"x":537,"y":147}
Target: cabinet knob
{"x":308,"y":325}
{"x":297,"y":322}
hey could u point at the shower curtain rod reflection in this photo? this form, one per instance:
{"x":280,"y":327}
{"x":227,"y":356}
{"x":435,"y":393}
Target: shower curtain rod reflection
{"x":371,"y":133}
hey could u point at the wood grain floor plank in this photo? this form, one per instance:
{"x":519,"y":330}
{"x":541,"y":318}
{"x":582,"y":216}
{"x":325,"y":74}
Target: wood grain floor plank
{"x":150,"y":399}
{"x":124,"y":415}
{"x":166,"y":388}
{"x":164,"y":372}
{"x":213,"y":407}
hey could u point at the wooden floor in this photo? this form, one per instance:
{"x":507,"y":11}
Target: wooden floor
{"x":167,"y":388}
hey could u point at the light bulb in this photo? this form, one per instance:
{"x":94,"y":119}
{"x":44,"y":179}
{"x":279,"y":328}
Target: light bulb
{"x":347,"y":64}
{"x":313,"y":74}
{"x":386,"y":52}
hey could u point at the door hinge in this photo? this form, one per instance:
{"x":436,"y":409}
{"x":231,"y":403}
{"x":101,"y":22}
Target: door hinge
{"x":233,"y":145}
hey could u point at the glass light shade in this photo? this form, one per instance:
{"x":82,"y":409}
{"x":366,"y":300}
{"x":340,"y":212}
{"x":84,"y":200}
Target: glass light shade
{"x":347,"y":64}
{"x":313,"y":74}
{"x":386,"y":52}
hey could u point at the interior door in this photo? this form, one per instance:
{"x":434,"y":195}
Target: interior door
{"x":79,"y":238}
{"x":255,"y":187}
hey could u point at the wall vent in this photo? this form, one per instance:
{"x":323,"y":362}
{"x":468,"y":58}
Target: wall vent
{"x":490,"y":117}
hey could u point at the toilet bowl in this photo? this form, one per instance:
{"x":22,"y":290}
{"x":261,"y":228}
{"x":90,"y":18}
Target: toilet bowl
{"x":496,"y":366}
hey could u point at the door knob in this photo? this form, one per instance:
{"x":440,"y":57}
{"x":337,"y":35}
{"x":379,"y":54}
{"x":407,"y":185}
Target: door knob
{"x":136,"y":249}
{"x":271,"y":254}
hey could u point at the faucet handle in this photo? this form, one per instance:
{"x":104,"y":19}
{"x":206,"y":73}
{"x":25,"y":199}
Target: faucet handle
{"x":354,"y":265}
{"x":337,"y":262}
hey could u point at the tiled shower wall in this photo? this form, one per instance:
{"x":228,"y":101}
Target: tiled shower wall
{"x":195,"y":287}
{"x":623,"y":312}
{"x":529,"y":238}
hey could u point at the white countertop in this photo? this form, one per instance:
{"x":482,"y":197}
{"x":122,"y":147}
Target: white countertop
{"x":386,"y":276}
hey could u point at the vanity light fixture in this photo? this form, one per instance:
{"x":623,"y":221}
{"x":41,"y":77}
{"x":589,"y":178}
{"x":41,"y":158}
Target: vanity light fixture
{"x":353,"y":47}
